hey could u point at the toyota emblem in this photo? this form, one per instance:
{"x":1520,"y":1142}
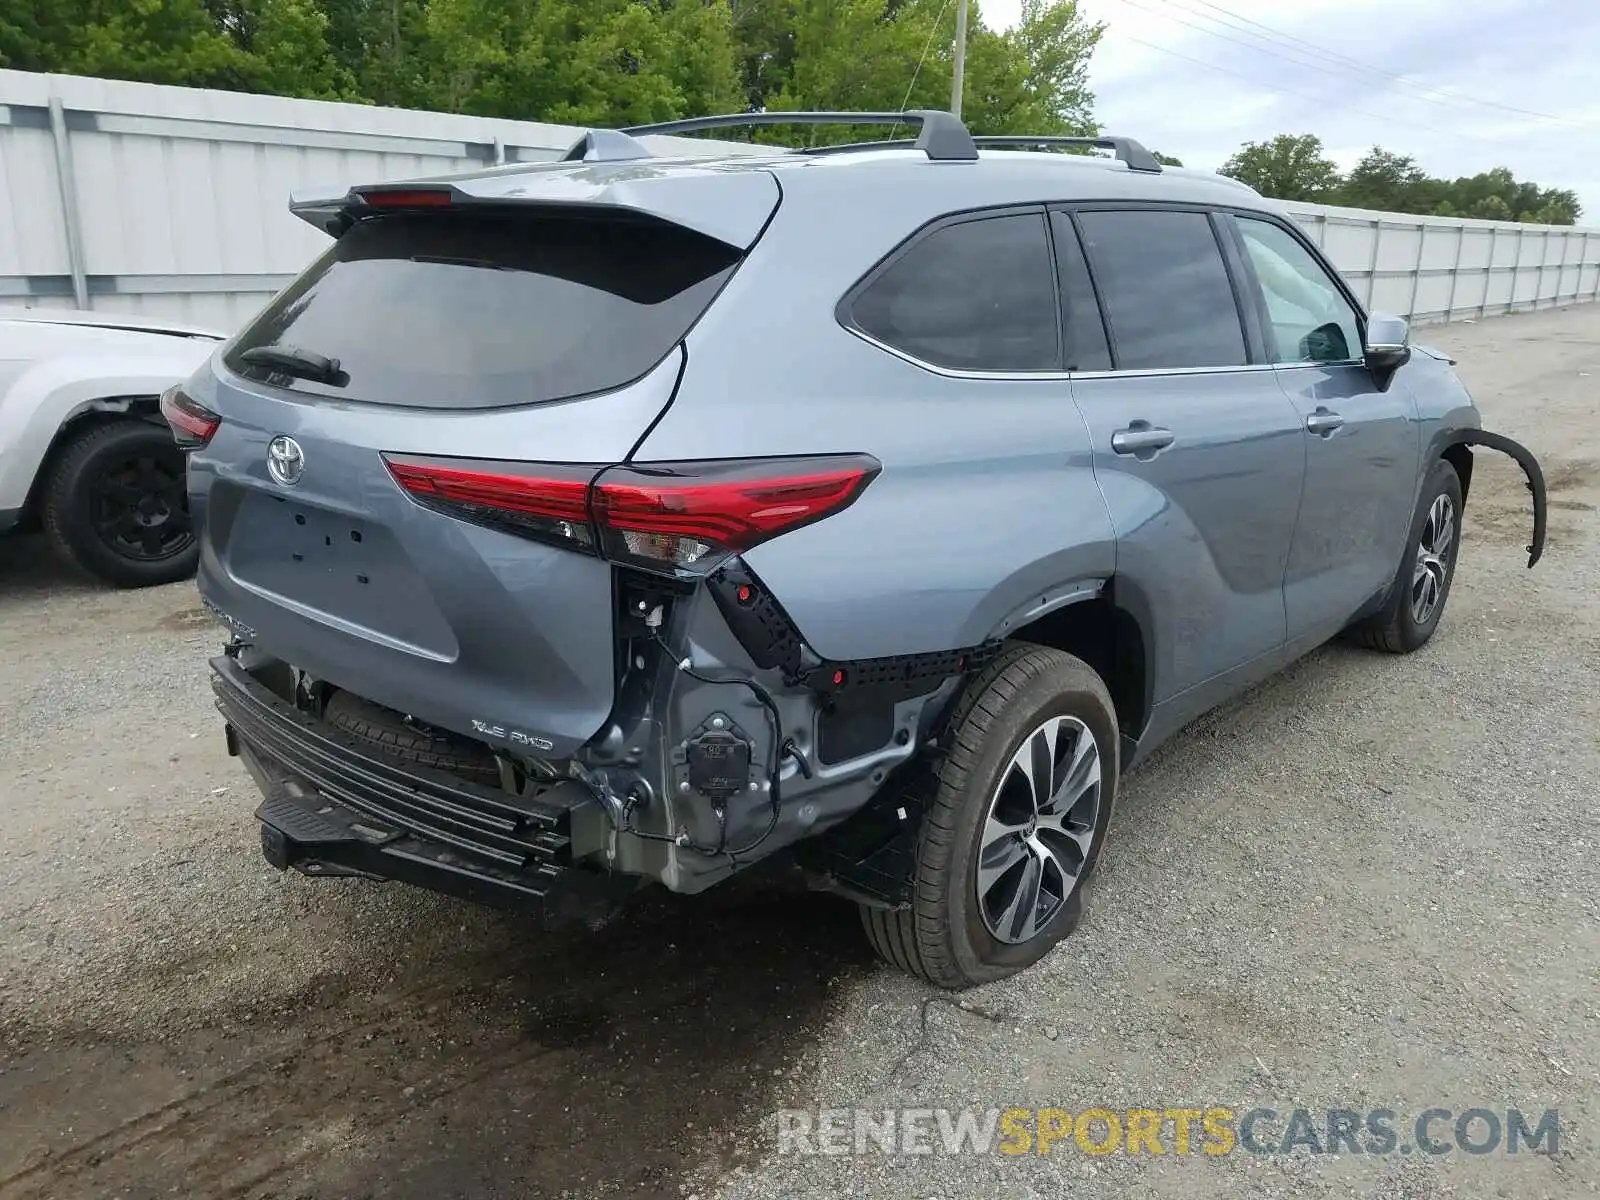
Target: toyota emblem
{"x":286,"y":462}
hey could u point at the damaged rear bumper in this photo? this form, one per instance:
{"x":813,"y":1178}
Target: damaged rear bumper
{"x":329,"y":808}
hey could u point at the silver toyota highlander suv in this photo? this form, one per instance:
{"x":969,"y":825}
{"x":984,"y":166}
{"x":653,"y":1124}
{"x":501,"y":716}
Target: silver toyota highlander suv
{"x":869,"y":510}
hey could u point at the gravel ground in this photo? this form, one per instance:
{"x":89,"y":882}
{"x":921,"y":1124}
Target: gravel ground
{"x":1370,"y":883}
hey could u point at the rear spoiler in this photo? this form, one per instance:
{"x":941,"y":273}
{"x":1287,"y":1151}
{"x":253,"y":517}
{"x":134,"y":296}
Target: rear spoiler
{"x":732,"y":206}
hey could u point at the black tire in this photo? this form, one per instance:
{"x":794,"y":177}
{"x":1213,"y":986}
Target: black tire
{"x":1395,"y":629}
{"x":942,"y":936}
{"x":389,"y":733}
{"x":115,"y":505}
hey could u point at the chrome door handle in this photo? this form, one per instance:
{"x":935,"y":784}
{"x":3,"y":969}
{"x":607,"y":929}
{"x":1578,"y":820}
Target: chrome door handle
{"x":1323,"y":422}
{"x":1141,"y":439}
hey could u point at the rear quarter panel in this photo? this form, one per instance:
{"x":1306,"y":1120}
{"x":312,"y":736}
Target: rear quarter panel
{"x":987,"y":505}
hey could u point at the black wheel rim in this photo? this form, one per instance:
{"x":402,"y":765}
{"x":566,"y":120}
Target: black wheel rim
{"x":139,"y":506}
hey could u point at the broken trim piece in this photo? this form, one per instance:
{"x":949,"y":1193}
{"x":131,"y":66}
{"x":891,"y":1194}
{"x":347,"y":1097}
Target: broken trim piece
{"x":1530,"y":467}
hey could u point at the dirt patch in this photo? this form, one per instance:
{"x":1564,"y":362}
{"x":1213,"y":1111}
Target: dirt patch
{"x":1500,"y":509}
{"x":186,"y":619}
{"x":1568,"y":475}
{"x":513,"y":1064}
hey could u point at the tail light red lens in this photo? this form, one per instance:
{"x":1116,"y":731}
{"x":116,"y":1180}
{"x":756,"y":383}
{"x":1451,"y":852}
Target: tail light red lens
{"x":192,"y":422}
{"x":551,"y":504}
{"x":408,"y":198}
{"x":675,"y":516}
{"x":679,"y":514}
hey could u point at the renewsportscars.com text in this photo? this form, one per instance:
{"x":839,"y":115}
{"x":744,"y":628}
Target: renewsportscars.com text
{"x":1209,"y":1131}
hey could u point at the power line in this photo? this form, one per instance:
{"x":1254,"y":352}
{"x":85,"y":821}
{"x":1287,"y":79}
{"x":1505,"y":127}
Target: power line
{"x":1280,"y":51}
{"x":1200,"y":62}
{"x":926,"y":46}
{"x":1272,"y":36}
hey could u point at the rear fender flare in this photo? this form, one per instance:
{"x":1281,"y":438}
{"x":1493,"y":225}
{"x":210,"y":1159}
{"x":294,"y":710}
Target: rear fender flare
{"x":1524,"y":458}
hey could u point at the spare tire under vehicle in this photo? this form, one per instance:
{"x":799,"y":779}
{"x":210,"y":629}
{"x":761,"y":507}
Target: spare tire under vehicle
{"x":394,"y":737}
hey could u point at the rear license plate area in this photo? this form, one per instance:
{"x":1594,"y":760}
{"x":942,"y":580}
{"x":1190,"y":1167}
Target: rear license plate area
{"x":332,"y":563}
{"x":277,"y":539}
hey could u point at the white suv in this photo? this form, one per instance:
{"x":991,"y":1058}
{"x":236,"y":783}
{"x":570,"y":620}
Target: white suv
{"x":84,"y":452}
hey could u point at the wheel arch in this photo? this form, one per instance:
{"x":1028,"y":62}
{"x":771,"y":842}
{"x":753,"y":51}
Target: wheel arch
{"x":88,"y":414}
{"x":1459,"y":455}
{"x":1109,"y":630}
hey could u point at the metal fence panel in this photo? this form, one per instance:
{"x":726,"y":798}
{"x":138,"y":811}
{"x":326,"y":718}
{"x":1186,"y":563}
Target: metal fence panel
{"x":171,"y":202}
{"x":1432,"y":269}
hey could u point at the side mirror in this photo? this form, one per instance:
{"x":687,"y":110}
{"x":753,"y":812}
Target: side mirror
{"x":1388,"y":348}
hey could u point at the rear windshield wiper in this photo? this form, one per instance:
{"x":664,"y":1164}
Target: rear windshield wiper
{"x":304,"y":364}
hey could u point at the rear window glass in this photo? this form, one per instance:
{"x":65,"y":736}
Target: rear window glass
{"x":486,"y":310}
{"x":975,"y":296}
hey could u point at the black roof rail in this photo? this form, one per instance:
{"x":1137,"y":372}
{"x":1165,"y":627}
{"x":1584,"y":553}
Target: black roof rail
{"x":604,"y":145}
{"x":1126,"y":149}
{"x":941,"y":134}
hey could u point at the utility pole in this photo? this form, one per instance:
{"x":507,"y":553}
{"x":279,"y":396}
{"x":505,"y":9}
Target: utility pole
{"x":959,"y":77}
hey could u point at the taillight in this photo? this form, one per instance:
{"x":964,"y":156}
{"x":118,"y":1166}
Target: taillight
{"x":676,"y":516}
{"x":192,"y":422}
{"x":546,"y":502}
{"x":683,"y":514}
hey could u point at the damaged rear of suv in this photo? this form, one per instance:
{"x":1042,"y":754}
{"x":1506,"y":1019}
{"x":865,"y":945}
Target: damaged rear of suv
{"x":626,"y":519}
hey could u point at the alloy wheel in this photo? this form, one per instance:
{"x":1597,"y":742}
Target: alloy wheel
{"x":1038,"y":830}
{"x":1433,"y":560}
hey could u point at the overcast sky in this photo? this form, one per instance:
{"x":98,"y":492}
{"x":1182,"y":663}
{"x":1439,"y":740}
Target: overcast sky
{"x":1440,"y":80}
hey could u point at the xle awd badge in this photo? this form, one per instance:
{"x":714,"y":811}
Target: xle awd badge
{"x":286,"y":462}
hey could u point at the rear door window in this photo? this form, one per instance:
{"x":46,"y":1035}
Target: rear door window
{"x":484,"y":310}
{"x":977,"y":296}
{"x":1085,"y":333}
{"x":1165,"y":289}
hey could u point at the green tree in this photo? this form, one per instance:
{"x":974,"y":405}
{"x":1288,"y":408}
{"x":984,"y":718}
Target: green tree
{"x":1385,"y":181}
{"x":35,"y":35}
{"x":585,"y":62}
{"x":875,"y":54}
{"x":384,"y":45}
{"x":1055,"y":41}
{"x":764,"y":34}
{"x":1288,"y":167}
{"x":1490,"y":208}
{"x":1560,"y":207}
{"x":157,"y":41}
{"x":1167,"y":160}
{"x":292,"y":57}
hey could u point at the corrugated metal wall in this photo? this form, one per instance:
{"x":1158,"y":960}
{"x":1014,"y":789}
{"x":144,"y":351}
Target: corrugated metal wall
{"x":1441,"y":268}
{"x":178,"y":196}
{"x":170,"y":202}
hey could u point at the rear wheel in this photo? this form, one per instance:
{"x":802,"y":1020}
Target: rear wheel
{"x":1016,"y":825}
{"x":1422,"y":585}
{"x":116,"y":505}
